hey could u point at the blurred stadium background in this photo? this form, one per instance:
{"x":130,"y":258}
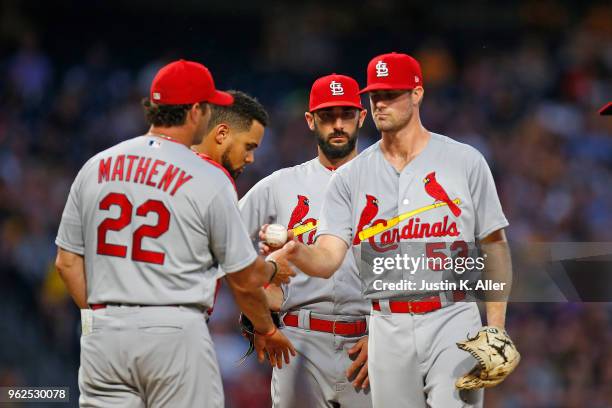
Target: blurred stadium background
{"x":522,"y":82}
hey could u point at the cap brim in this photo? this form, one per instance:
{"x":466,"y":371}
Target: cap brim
{"x":384,"y":87}
{"x":221,"y":98}
{"x":606,"y":109}
{"x":336,"y":103}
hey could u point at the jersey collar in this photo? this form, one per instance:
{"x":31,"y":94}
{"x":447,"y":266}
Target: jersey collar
{"x":208,"y":159}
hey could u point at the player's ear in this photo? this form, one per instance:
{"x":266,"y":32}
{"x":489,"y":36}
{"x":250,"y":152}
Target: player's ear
{"x":221,"y":133}
{"x":194,"y":113}
{"x":417,"y":95}
{"x":362,"y":115}
{"x":310,"y":120}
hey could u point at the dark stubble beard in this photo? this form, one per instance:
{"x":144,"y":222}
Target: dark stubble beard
{"x":227,"y":164}
{"x":333,"y":151}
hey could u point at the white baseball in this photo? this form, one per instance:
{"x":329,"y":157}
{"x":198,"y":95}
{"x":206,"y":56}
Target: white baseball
{"x":276,"y":235}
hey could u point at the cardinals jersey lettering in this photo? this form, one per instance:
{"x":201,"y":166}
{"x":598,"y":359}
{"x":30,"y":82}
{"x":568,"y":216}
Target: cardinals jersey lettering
{"x":293,"y":197}
{"x":153,"y":221}
{"x":444,"y":195}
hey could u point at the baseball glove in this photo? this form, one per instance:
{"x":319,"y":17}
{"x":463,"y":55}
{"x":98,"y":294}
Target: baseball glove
{"x":248,"y":332}
{"x":496,"y":355}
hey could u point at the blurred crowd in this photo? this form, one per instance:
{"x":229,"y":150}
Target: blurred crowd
{"x":529,"y":105}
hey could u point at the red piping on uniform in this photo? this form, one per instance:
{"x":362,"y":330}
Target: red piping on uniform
{"x":217,"y":165}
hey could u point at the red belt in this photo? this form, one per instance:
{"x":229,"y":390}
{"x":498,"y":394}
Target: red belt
{"x":356,"y":328}
{"x":425,"y":305}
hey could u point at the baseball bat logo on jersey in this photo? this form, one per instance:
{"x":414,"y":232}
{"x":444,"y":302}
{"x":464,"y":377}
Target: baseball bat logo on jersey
{"x":300,"y":225}
{"x":368,"y":228}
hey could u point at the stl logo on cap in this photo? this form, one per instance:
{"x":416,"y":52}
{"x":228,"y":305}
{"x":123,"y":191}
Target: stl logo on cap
{"x":381,"y":69}
{"x":393,"y":71}
{"x":336,"y":88}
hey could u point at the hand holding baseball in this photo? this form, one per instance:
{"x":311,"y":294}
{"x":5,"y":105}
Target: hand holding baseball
{"x":273,"y":237}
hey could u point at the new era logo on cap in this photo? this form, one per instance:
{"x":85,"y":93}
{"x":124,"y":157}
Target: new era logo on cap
{"x":156,"y":96}
{"x":336,"y":88}
{"x":393,"y":71}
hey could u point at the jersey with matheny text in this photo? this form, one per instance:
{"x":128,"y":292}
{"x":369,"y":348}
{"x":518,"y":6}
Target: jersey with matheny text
{"x":154,"y":222}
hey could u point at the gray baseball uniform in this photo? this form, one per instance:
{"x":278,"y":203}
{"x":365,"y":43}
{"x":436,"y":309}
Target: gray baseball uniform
{"x":316,"y":377}
{"x":153,"y":222}
{"x":413,"y":357}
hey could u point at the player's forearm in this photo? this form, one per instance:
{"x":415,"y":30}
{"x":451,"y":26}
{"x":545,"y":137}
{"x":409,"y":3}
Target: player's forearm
{"x":255,"y":275}
{"x":314,"y":260}
{"x":275,"y":297}
{"x":71,"y":268}
{"x":255,"y":306}
{"x":496,"y":314}
{"x":498,"y":268}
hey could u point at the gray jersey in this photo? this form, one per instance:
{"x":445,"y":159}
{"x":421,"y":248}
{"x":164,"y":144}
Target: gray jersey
{"x":366,"y":198}
{"x":153,"y":221}
{"x":293,"y":197}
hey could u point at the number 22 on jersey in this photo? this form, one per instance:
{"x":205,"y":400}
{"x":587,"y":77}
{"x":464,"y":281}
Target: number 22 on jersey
{"x":124,"y":219}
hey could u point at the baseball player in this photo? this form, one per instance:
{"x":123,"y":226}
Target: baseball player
{"x":413,"y":356}
{"x":144,"y":228}
{"x":233,"y":133}
{"x":324,"y":319}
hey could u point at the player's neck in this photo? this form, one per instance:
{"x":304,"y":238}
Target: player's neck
{"x":174,"y":133}
{"x":402,"y":146}
{"x":335,"y":163}
{"x":210,"y":148}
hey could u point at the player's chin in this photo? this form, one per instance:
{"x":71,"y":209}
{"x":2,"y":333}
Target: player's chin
{"x":338,"y":141}
{"x":383,"y":125}
{"x":237,"y":172}
{"x":337,"y":145}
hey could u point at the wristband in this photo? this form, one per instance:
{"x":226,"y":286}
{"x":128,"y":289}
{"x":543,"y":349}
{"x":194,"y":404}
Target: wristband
{"x":269,"y":334}
{"x":273,"y":262}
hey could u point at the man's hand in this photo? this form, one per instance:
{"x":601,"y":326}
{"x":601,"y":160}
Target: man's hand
{"x":276,"y":345}
{"x":358,"y":371}
{"x":284,"y":271}
{"x":265,"y":249}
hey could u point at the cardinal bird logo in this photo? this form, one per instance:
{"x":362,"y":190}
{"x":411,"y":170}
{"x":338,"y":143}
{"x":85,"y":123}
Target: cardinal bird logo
{"x":435,"y":190}
{"x":300,"y":211}
{"x":367,"y":215}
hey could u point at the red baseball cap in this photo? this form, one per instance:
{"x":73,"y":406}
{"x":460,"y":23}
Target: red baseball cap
{"x":185,"y":82}
{"x":334,"y":90}
{"x":393,"y":71}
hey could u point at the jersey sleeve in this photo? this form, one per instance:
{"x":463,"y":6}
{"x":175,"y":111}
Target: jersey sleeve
{"x":258,"y":206}
{"x":489,"y":215}
{"x":229,"y":241}
{"x":70,"y":235}
{"x":335,"y":217}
